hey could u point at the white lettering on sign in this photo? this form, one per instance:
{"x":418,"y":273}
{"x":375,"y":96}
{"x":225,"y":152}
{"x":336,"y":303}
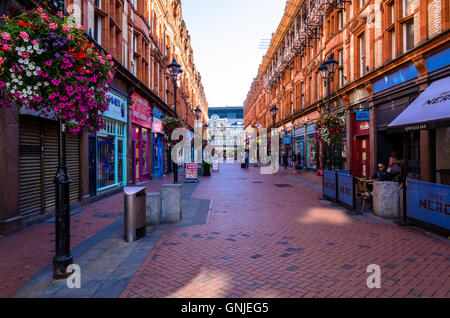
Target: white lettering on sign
{"x":364,"y":126}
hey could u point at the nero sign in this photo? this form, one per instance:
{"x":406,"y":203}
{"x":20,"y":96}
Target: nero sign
{"x":429,"y":202}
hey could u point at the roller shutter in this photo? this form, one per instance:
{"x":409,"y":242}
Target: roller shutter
{"x":38,"y":172}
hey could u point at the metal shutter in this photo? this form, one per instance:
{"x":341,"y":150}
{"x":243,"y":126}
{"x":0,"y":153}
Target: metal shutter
{"x":30,"y":167}
{"x":51,"y":163}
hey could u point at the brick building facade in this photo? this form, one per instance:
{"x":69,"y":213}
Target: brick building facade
{"x":143,"y":36}
{"x":376,"y":42}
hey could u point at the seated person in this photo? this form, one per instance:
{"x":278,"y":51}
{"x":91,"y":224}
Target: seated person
{"x":381,"y":174}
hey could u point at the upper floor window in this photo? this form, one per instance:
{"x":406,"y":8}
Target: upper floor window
{"x":408,"y":35}
{"x":341,"y":68}
{"x":407,"y":7}
{"x":98,"y":3}
{"x":98,"y":29}
{"x":362,"y":55}
{"x":340,"y":19}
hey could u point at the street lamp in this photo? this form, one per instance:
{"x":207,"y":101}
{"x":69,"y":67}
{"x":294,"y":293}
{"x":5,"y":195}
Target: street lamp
{"x":175,"y":71}
{"x":63,"y":257}
{"x":326,"y":71}
{"x":274,"y":112}
{"x":198,"y":112}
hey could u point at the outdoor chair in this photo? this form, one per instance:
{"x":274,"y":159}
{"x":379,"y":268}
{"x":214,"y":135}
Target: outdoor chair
{"x":363,"y":192}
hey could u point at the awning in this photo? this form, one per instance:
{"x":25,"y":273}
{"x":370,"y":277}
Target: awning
{"x":432,"y":106}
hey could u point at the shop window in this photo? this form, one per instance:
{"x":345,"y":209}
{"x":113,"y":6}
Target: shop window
{"x":106,"y":174}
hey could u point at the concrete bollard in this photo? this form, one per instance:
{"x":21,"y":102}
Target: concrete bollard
{"x":171,"y":203}
{"x":386,"y":199}
{"x":153,"y":212}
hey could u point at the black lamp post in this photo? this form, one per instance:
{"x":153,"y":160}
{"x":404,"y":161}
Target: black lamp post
{"x":175,"y":71}
{"x":326,"y":71}
{"x":63,"y":257}
{"x":198,"y":112}
{"x":274,"y":113}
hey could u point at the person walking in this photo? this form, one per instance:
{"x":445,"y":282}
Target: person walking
{"x":285,"y":160}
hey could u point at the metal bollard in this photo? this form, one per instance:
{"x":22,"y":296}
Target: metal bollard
{"x":135,"y":205}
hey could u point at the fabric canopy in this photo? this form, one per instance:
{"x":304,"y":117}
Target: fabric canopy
{"x":432,"y":105}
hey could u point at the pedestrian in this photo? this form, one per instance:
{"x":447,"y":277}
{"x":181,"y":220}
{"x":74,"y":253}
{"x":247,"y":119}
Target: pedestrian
{"x":298,"y":166}
{"x":285,"y":160}
{"x":395,"y":165}
{"x":381,"y":174}
{"x":247,"y":159}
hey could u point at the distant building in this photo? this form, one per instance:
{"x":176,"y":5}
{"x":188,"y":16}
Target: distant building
{"x":226,"y":130}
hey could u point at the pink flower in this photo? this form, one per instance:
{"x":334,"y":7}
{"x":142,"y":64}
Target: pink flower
{"x":2,"y":60}
{"x":66,"y":28}
{"x":44,"y":16}
{"x":79,"y":27}
{"x":60,"y":14}
{"x":6,"y":36}
{"x":48,"y":63}
{"x":2,"y":84}
{"x":24,"y":35}
{"x":55,"y":82}
{"x":40,"y":9}
{"x":53,"y":26}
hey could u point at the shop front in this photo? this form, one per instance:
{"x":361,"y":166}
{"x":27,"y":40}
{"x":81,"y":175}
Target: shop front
{"x":158,"y":143}
{"x":299,"y":143}
{"x":38,"y":162}
{"x":141,"y":138}
{"x":311,"y":147}
{"x":428,"y":118}
{"x":361,"y":144}
{"x":108,"y":149}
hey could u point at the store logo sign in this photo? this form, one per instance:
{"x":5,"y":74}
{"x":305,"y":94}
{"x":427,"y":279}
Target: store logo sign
{"x":445,"y":96}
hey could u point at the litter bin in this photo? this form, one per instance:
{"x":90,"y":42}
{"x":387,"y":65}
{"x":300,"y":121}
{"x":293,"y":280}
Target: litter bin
{"x":135,"y":204}
{"x":206,"y":169}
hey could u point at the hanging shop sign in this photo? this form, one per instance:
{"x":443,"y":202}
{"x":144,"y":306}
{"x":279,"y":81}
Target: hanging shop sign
{"x":429,"y":202}
{"x":287,"y":139}
{"x":140,"y":111}
{"x":362,"y":115}
{"x":117,"y":107}
{"x":157,"y":126}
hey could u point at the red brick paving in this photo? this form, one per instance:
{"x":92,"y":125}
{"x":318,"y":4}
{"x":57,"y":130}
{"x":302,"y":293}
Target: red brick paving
{"x":24,"y":253}
{"x":264,"y":241}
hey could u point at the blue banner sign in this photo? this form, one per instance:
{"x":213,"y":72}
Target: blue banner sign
{"x":345,"y":189}
{"x":362,"y":115}
{"x":117,"y":107}
{"x":311,"y":129}
{"x":287,"y":139}
{"x":429,"y":202}
{"x":329,"y":184}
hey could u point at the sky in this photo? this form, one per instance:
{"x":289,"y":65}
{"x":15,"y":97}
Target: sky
{"x":225,"y":38}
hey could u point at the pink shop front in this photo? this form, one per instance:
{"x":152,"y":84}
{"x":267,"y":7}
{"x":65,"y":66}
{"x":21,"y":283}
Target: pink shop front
{"x":141,"y":138}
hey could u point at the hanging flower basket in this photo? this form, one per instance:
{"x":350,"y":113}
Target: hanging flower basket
{"x":49,"y":66}
{"x":330,"y":129}
{"x":169,"y":125}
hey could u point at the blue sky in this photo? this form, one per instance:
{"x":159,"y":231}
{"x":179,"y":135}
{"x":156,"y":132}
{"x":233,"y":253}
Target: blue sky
{"x":225,"y":37}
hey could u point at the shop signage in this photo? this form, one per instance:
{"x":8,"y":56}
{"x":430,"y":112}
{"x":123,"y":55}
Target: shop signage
{"x":191,"y":171}
{"x":299,"y":131}
{"x":429,"y":202}
{"x":140,"y":111}
{"x":362,"y":127}
{"x":157,"y":126}
{"x":362,"y":115}
{"x":345,"y":189}
{"x":287,"y":139}
{"x":311,"y":129}
{"x":329,"y":184}
{"x":117,"y":107}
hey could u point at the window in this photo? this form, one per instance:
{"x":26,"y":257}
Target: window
{"x":340,"y":19}
{"x":125,"y":55}
{"x":341,"y":68}
{"x":391,"y":13}
{"x":98,"y":29}
{"x":361,"y":3}
{"x":98,"y":3}
{"x":392,"y":42}
{"x":303,"y":95}
{"x":362,"y":63}
{"x":135,"y":43}
{"x":134,"y":66}
{"x":408,"y":35}
{"x":407,"y":7}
